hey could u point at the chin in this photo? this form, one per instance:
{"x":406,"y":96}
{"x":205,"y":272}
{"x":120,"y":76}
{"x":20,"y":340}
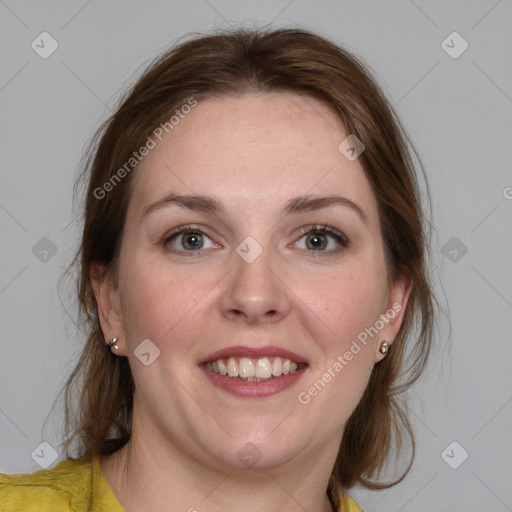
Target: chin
{"x":257,"y":450}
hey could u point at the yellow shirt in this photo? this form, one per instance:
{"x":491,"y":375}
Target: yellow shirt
{"x":71,"y":486}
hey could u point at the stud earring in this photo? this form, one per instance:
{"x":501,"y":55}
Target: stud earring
{"x":112,"y":343}
{"x":384,"y":347}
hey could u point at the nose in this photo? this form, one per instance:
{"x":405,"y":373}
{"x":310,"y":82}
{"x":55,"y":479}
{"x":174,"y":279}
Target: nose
{"x":256,"y":292}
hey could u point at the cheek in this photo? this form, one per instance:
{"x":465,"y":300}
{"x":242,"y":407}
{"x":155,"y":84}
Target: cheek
{"x":156,"y":299}
{"x":340,"y":312}
{"x":346,"y":303}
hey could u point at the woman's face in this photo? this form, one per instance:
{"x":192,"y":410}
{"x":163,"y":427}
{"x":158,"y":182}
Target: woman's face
{"x":256,"y":271}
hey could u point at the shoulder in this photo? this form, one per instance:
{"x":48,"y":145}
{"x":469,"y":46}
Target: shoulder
{"x":349,"y":505}
{"x":65,"y":487}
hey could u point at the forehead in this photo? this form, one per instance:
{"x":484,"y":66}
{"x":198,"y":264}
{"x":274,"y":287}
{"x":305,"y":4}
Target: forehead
{"x":253,"y":150}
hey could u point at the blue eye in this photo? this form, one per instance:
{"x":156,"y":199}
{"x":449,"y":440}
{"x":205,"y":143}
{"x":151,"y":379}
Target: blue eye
{"x":323,"y":239}
{"x":318,"y":239}
{"x":187,"y":239}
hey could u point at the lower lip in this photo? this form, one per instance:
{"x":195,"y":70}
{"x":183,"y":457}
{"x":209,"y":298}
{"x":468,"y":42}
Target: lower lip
{"x":260,"y":389}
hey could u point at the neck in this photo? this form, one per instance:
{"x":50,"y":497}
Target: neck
{"x":146,"y":476}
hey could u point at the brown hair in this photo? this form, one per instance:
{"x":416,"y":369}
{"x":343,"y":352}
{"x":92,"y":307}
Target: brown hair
{"x":235,"y":62}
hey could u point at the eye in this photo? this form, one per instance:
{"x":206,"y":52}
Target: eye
{"x":318,"y":239}
{"x":187,"y":239}
{"x":323,"y":239}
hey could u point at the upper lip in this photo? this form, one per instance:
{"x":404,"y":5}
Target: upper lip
{"x":254,"y":353}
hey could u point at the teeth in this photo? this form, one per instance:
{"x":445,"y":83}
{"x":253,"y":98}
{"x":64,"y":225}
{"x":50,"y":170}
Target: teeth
{"x":277,"y":367}
{"x":263,"y":368}
{"x":232,"y":367}
{"x":247,"y":370}
{"x":222,"y":367}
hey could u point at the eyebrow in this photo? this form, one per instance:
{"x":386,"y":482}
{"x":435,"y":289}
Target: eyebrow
{"x":300,"y":204}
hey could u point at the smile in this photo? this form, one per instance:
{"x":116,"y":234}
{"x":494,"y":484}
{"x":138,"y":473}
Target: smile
{"x":253,"y":370}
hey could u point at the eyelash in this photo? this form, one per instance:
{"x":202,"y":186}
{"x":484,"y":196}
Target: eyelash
{"x":340,"y":238}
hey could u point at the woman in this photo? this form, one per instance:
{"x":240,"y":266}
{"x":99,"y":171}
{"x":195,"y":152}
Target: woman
{"x":253,"y":266}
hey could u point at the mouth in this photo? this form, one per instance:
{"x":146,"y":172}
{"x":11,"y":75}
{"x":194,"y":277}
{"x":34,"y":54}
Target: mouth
{"x":253,"y":373}
{"x":254,"y":369}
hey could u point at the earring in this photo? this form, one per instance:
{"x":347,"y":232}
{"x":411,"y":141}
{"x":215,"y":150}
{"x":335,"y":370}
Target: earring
{"x":112,"y":343}
{"x":384,"y":347}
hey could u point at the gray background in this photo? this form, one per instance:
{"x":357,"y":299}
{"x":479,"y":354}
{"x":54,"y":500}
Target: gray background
{"x":458,"y":112}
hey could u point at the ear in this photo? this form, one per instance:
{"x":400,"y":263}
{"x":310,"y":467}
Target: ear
{"x":109,"y":306}
{"x":393,"y":314}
